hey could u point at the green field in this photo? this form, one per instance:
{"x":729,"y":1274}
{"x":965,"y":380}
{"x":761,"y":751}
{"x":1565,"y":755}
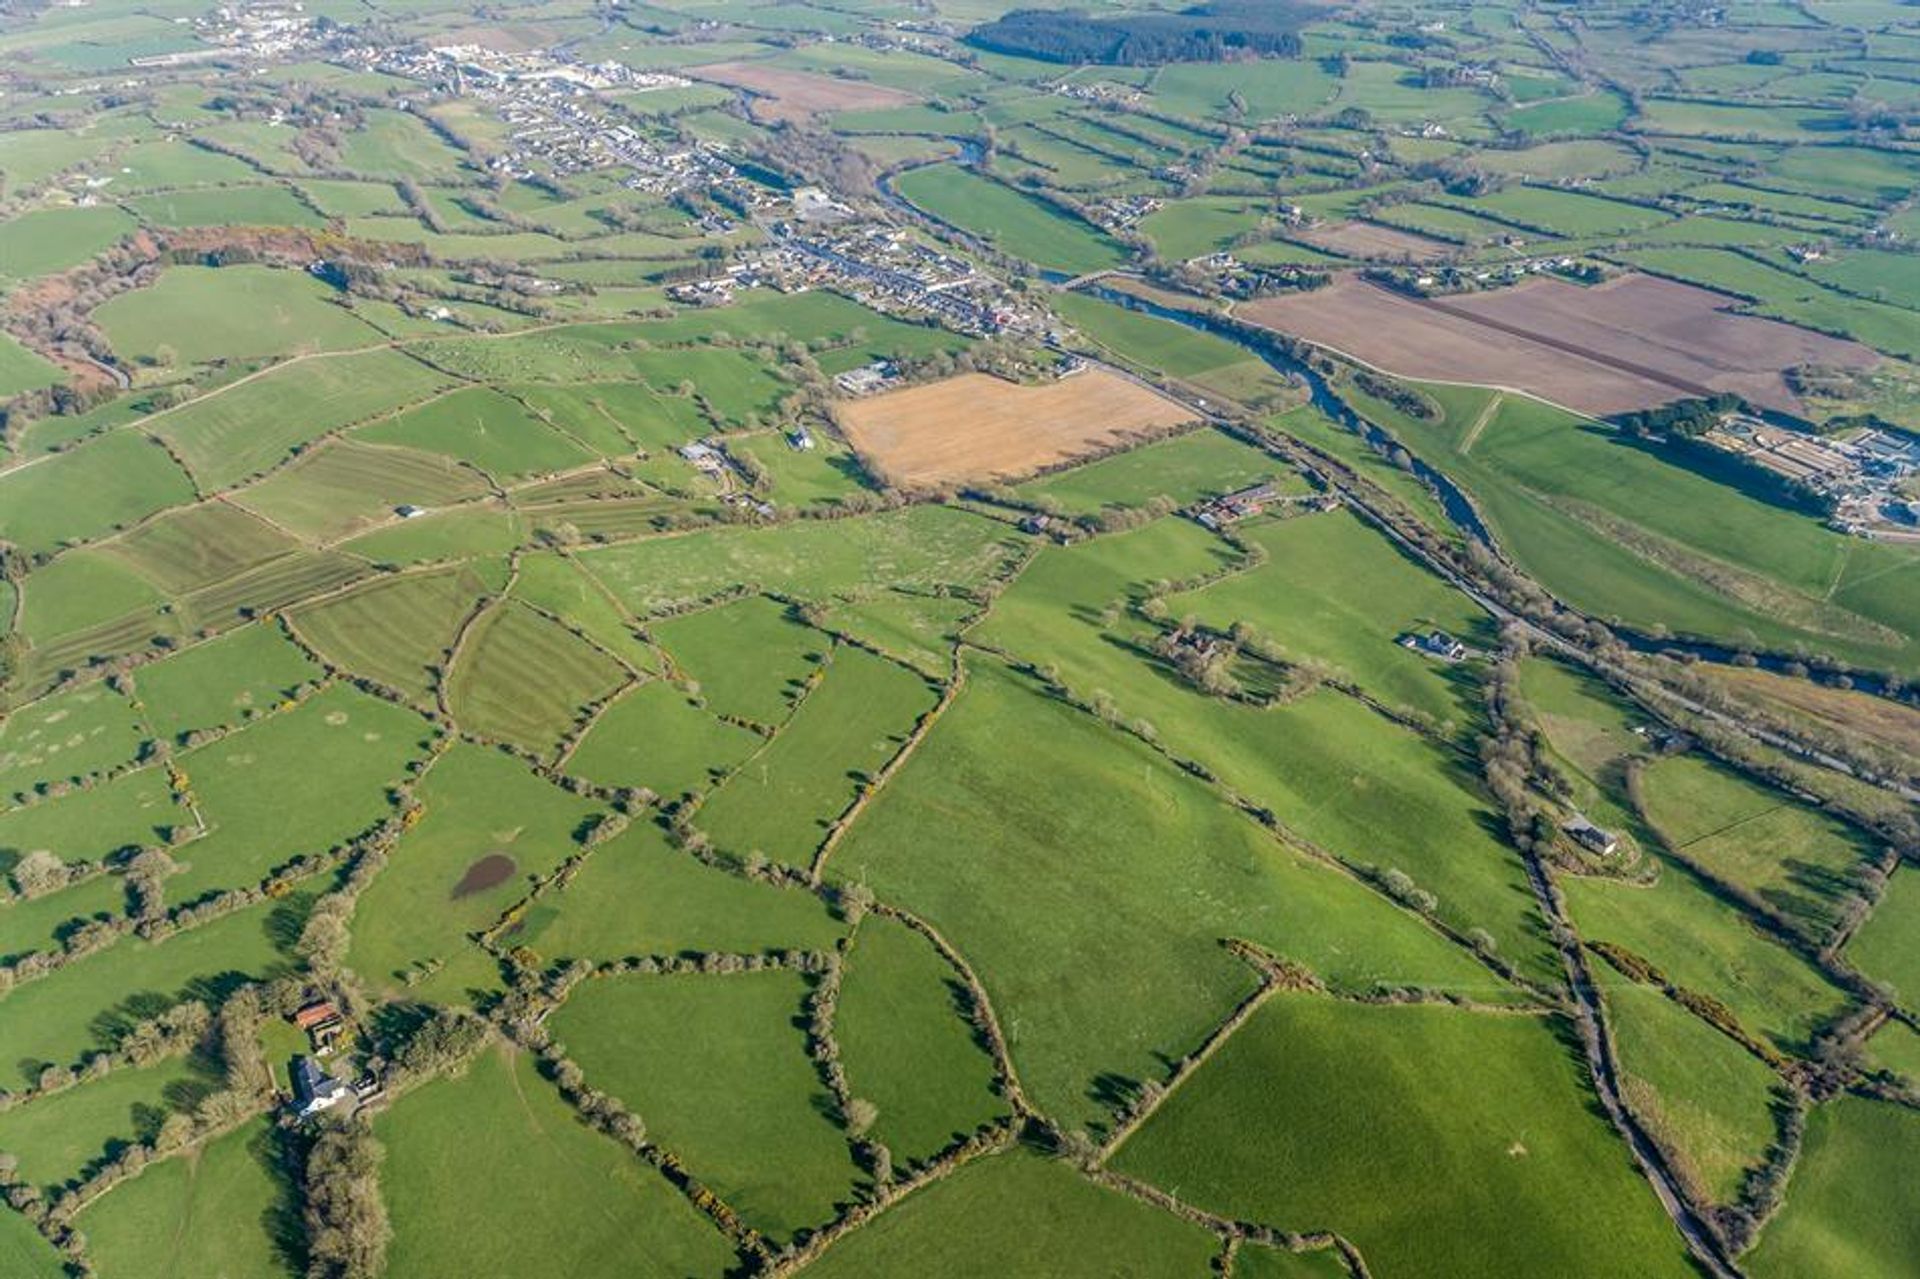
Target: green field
{"x":1441,"y":1142}
{"x":240,"y":432}
{"x":719,"y":1071}
{"x":616,"y":1212}
{"x":908,"y":1049}
{"x":1703,"y":1096}
{"x":490,"y":830}
{"x":193,"y":314}
{"x":522,"y":678}
{"x":1018,"y":1213}
{"x":1053,"y":910}
{"x":1014,"y":223}
{"x":223,"y":1209}
{"x":782,"y":800}
{"x":1887,"y":947}
{"x":1850,"y":1207}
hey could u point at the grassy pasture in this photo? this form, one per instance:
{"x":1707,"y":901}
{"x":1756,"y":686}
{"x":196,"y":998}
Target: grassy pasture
{"x":558,"y":585}
{"x":1102,"y":951}
{"x":1585,"y":114}
{"x":226,"y":206}
{"x":296,"y":782}
{"x":184,"y":551}
{"x":132,"y":811}
{"x":907,"y":1046}
{"x":478,"y":533}
{"x":1702,"y":945}
{"x":1019,"y":1213}
{"x":1798,"y":860}
{"x":1016,"y":223}
{"x":599,"y":1208}
{"x":223,"y":1209}
{"x":272,"y":586}
{"x":616,"y":418}
{"x":48,"y":240}
{"x":734,"y":385}
{"x":1307,"y":597}
{"x":247,"y":429}
{"x":660,"y":737}
{"x":1590,"y":734}
{"x":751,"y":658}
{"x":41,"y":923}
{"x":919,"y":630}
{"x":636,"y":895}
{"x":347,"y":486}
{"x":524,"y":679}
{"x":1326,"y":766}
{"x":1619,"y":530}
{"x":720,"y":1071}
{"x":223,"y":681}
{"x":1887,"y":946}
{"x":1442,"y":1142}
{"x":1154,"y":342}
{"x":1851,"y":1207}
{"x":83,"y":589}
{"x":486,"y":430}
{"x":396,"y":630}
{"x":68,"y":735}
{"x":922,"y":546}
{"x":22,"y":370}
{"x":88,"y":1005}
{"x":490,"y":829}
{"x":1705,"y":1098}
{"x":782,"y":801}
{"x":25,"y":1252}
{"x":58,"y":1137}
{"x":101,"y":485}
{"x":195,"y":314}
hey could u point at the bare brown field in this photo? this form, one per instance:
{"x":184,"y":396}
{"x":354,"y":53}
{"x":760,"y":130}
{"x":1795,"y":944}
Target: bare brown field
{"x":975,"y":426}
{"x":1374,"y":241}
{"x":1630,"y":343}
{"x":799,"y":95}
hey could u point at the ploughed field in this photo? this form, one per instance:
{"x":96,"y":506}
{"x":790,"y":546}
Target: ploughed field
{"x":1633,"y":342}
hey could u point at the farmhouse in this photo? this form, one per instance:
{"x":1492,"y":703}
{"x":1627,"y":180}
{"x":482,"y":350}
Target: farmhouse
{"x":1590,"y":837}
{"x":800,"y":440}
{"x":704,"y":458}
{"x":314,"y":1090}
{"x":409,"y":512}
{"x":1437,"y":644}
{"x":1238,"y":505}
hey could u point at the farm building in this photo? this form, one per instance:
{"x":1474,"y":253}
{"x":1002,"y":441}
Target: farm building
{"x":314,"y":1090}
{"x":704,"y":457}
{"x":1593,"y":838}
{"x":1437,"y":644}
{"x":322,"y":1023}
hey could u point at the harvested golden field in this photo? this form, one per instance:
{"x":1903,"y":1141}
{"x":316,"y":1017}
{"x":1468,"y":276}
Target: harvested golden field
{"x":975,"y":427}
{"x":1630,"y":343}
{"x":781,"y":94}
{"x":1374,"y":241}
